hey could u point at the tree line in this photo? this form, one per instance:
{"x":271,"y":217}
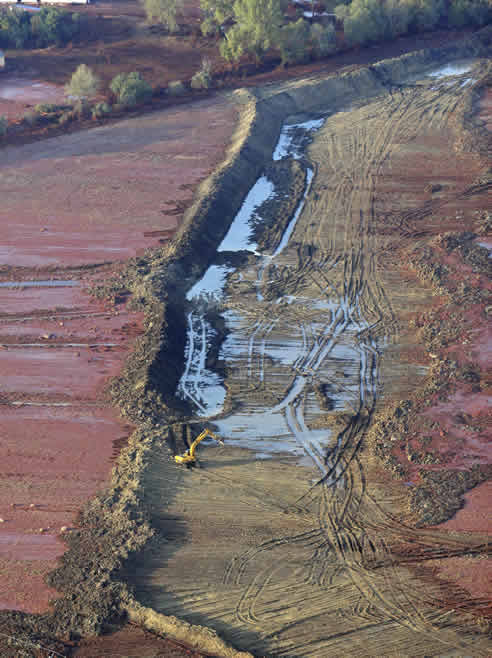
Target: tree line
{"x":254,"y":27}
{"x":49,"y":26}
{"x":369,"y":21}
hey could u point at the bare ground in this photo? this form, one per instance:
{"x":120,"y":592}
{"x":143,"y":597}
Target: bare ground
{"x":74,"y":209}
{"x":328,"y":570}
{"x":278,"y":567}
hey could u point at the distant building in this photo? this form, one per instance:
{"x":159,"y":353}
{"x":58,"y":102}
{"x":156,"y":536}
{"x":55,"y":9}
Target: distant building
{"x":17,"y":4}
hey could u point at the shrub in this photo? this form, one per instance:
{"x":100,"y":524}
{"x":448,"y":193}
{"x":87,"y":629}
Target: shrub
{"x":293,"y":42}
{"x":176,"y":88}
{"x":3,"y":126}
{"x":66,"y":117}
{"x":32,"y":118}
{"x":323,"y":40}
{"x":83,"y":83}
{"x":49,"y":108}
{"x":130,"y":89}
{"x":203,"y":78}
{"x":163,"y":11}
{"x":81,"y":109}
{"x":100,"y":109}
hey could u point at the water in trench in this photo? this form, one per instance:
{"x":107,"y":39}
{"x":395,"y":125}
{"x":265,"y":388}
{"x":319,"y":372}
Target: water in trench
{"x":290,"y":359}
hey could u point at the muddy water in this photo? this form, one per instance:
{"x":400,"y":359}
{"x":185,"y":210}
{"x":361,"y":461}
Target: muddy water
{"x":287,"y":540}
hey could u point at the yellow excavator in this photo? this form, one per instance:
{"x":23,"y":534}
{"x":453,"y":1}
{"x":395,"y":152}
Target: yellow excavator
{"x":189,"y":456}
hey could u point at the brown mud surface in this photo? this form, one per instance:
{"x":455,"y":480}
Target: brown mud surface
{"x":331,"y":555}
{"x":115,"y":189}
{"x":18,"y":94}
{"x":71,"y":204}
{"x":133,"y":642}
{"x":294,"y":539}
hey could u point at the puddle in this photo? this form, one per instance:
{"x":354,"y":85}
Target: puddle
{"x":291,"y":138}
{"x":276,"y":361}
{"x":29,"y":8}
{"x":50,"y":283}
{"x":211,"y":284}
{"x":487,"y":245}
{"x":238,"y":237}
{"x":455,"y":68}
{"x":292,"y":224}
{"x":198,"y":384}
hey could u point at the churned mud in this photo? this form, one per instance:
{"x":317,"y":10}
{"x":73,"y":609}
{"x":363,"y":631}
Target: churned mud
{"x":294,"y":539}
{"x":323,"y":334}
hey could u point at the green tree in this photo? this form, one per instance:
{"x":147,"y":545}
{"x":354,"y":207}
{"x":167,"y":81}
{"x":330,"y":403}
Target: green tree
{"x":425,"y":14}
{"x":399,"y":17}
{"x":323,"y":39}
{"x":215,"y":14}
{"x":53,"y":25}
{"x":83,"y":83}
{"x":469,"y":12}
{"x":15,"y":28}
{"x":257,"y":27}
{"x":366,"y":22}
{"x":164,"y":12}
{"x":293,"y":42}
{"x":342,"y":12}
{"x":130,"y":88}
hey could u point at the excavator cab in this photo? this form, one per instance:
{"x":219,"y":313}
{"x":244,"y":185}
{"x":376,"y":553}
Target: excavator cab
{"x":188,"y":457}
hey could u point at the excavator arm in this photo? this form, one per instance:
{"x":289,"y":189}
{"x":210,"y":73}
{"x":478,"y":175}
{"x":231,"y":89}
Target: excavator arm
{"x":189,"y":455}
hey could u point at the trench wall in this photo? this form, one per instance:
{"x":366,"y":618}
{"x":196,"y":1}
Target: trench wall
{"x":220,"y":197}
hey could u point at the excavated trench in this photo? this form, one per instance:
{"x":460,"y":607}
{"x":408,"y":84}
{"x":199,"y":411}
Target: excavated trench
{"x":286,"y":329}
{"x":290,"y":541}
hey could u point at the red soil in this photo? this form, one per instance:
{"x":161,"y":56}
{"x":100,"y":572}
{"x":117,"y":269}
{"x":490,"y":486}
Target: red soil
{"x":95,"y":196}
{"x":102,"y":194}
{"x":472,"y":574}
{"x":463,"y":412}
{"x":475,"y":515}
{"x":18,"y":94}
{"x":133,"y":642}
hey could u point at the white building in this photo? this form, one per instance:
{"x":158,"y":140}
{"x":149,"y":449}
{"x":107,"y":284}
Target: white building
{"x":19,"y":4}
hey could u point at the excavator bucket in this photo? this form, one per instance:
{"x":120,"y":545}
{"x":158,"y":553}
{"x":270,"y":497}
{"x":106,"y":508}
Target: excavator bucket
{"x":189,"y":456}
